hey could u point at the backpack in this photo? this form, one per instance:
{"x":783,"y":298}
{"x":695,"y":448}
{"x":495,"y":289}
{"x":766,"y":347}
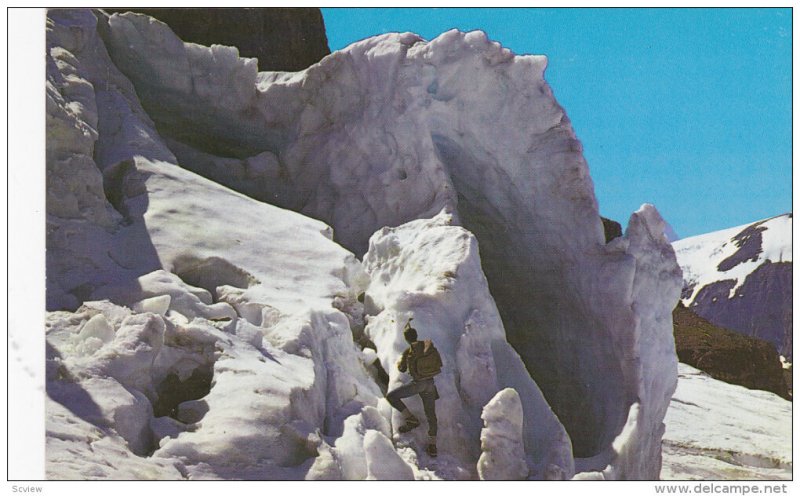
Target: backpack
{"x":428,"y":360}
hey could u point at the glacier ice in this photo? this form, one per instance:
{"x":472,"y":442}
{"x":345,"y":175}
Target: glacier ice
{"x":349,"y":450}
{"x":174,"y":170}
{"x":502,"y":452}
{"x":383,"y":462}
{"x":430,"y":270}
{"x":147,"y":259}
{"x":393,"y":129}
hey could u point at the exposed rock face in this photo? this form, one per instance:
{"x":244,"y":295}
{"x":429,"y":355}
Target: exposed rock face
{"x":281,"y":38}
{"x":726,"y":355}
{"x":761,"y":307}
{"x":611,"y":228}
{"x":741,"y":279}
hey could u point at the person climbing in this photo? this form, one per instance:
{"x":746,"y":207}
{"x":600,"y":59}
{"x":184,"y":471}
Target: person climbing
{"x":422,"y":361}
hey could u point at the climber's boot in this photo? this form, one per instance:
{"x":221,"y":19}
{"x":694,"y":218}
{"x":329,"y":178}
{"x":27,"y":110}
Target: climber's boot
{"x":431,"y":448}
{"x":412,"y":422}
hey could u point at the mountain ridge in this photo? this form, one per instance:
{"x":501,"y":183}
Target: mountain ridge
{"x":740,"y":278}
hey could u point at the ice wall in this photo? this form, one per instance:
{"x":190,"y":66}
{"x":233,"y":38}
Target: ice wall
{"x":82,"y":84}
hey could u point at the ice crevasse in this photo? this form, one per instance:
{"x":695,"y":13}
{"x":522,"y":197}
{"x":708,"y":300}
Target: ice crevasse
{"x":183,"y":188}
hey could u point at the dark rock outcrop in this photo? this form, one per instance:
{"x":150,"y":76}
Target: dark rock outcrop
{"x":761,"y":307}
{"x":281,"y":38}
{"x":611,"y":228}
{"x":727,"y":355}
{"x":749,"y":243}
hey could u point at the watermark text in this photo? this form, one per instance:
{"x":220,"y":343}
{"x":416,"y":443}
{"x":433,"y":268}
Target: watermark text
{"x":720,"y":488}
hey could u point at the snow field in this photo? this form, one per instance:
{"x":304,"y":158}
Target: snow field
{"x":751,"y":441}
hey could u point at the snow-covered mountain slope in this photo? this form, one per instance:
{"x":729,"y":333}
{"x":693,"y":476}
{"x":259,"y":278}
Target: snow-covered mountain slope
{"x":720,"y":431}
{"x":741,"y":279}
{"x":255,"y":309}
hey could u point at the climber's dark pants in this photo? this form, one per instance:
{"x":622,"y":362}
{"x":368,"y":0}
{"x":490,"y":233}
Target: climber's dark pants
{"x":426,"y":389}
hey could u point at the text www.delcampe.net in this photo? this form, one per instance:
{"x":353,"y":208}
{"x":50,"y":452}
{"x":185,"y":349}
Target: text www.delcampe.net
{"x":717,"y":488}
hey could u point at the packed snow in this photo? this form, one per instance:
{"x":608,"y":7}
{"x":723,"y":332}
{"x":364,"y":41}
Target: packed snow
{"x":721,"y":431}
{"x":207,"y":323}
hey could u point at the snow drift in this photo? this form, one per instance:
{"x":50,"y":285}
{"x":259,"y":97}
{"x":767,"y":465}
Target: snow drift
{"x":452,"y":143}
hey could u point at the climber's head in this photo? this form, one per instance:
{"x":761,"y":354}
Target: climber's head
{"x":410,"y":334}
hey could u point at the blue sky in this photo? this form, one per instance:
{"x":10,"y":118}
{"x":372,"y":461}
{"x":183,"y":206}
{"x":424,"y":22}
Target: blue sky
{"x":688,"y":109}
